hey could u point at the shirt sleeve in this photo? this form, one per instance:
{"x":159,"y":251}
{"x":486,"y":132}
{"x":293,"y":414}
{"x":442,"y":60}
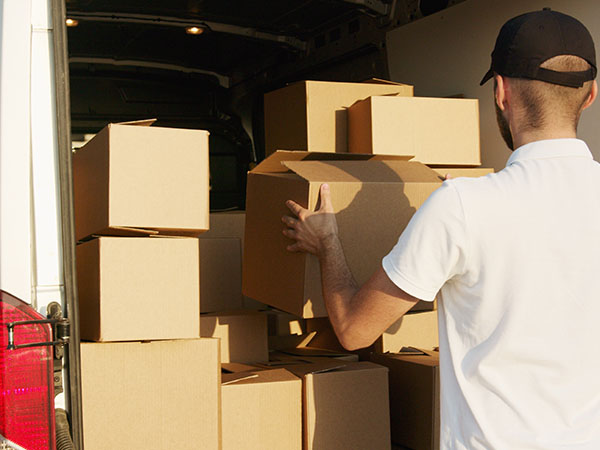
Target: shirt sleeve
{"x":432,"y":249}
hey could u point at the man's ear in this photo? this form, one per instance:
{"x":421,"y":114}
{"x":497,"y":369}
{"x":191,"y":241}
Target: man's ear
{"x":500,"y":92}
{"x":592,"y":96}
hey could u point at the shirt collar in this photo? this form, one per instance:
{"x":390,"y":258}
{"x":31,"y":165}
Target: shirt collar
{"x":551,"y":148}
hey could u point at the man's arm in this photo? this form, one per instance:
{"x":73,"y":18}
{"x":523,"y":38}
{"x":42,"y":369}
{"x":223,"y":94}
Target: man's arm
{"x":358,"y":315}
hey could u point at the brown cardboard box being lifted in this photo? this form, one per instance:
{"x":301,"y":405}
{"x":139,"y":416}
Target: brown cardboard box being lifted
{"x":441,"y":131}
{"x":138,"y":288}
{"x":132,"y":179}
{"x":243,"y":335}
{"x":373,"y":201}
{"x":346,"y":405}
{"x":311,"y":115}
{"x":261,"y":409}
{"x":160,"y":395}
{"x":414,"y":398}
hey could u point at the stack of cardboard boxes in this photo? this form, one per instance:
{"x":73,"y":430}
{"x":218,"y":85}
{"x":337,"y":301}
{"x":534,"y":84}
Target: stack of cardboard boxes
{"x":148,"y":379}
{"x":148,"y":291}
{"x":383,"y":152}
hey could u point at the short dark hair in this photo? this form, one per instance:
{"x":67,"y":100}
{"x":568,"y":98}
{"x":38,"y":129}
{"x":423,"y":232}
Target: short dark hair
{"x":544,"y":101}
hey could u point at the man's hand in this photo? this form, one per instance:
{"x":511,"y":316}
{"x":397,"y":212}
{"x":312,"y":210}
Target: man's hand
{"x":311,"y":231}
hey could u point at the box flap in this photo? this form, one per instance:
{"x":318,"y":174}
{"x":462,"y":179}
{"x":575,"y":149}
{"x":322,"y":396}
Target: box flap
{"x":274,"y":162}
{"x":259,"y":376}
{"x":290,"y":341}
{"x":425,"y":357}
{"x":302,"y":370}
{"x":229,"y":378}
{"x":141,"y":123}
{"x":236,"y":367}
{"x":414,"y":351}
{"x":312,"y":351}
{"x":126,"y":232}
{"x":382,"y":81}
{"x":392,"y":171}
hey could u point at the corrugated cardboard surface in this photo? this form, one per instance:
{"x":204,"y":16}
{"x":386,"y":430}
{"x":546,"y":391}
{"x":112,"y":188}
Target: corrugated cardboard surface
{"x":419,"y":329}
{"x":435,"y":130}
{"x":283,"y":324}
{"x":415,"y":329}
{"x":220,"y":274}
{"x":345,"y":405}
{"x":414,"y":399}
{"x":269,"y":273}
{"x":140,"y":288}
{"x":456,"y":172}
{"x":132,"y":178}
{"x":155,"y":395}
{"x":373,"y":202}
{"x":243,"y":335}
{"x":263,"y":410}
{"x":311,"y":115}
{"x":228,"y":224}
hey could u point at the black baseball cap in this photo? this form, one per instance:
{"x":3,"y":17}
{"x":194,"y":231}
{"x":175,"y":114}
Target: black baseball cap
{"x":526,"y":41}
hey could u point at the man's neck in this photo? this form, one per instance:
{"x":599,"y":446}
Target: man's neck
{"x":520,"y":139}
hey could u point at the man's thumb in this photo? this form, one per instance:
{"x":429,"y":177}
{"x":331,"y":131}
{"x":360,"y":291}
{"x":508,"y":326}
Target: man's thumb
{"x":326,"y":204}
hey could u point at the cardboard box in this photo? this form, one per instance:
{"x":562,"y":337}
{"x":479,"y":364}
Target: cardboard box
{"x":442,"y":131}
{"x":415,"y":329}
{"x":419,"y":329}
{"x":345,"y":405}
{"x":304,"y":353}
{"x":229,"y":224}
{"x":138,"y":180}
{"x":283,"y":324}
{"x":311,"y":115}
{"x":457,"y":172}
{"x":261,"y":409}
{"x":159,"y":395}
{"x":138,"y":288}
{"x":253,"y":305}
{"x":243,"y":335}
{"x":220,"y":275}
{"x":289,"y":341}
{"x":414,"y":398}
{"x":377,"y":197}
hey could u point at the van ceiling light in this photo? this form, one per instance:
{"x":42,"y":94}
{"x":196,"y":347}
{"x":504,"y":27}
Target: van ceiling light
{"x":72,"y":22}
{"x":194,"y":30}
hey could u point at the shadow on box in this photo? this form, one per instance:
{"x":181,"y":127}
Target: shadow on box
{"x":365,"y":238}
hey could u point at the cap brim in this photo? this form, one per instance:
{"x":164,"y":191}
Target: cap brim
{"x":489,"y":75}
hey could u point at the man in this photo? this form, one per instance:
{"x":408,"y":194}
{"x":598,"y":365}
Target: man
{"x":514,"y":255}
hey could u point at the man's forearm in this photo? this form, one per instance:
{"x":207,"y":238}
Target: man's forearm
{"x":339,"y":286}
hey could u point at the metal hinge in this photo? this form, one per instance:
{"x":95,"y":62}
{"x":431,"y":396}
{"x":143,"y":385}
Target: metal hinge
{"x":60,"y":334}
{"x":60,"y":330}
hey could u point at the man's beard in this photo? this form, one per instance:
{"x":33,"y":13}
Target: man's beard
{"x":504,"y":128}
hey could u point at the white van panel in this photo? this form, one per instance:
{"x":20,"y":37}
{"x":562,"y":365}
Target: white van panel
{"x":30,"y":237}
{"x":48,"y":274}
{"x":15,"y":144}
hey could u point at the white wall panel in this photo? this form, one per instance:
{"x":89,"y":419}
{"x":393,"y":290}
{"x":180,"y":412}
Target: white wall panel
{"x":449,"y":52}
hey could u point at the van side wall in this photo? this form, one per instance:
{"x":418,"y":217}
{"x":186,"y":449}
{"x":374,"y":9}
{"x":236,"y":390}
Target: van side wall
{"x":449,"y":52}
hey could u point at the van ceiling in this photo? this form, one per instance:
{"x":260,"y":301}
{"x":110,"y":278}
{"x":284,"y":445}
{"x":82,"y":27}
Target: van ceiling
{"x":132,"y":59}
{"x":236,"y":34}
{"x":239,"y":37}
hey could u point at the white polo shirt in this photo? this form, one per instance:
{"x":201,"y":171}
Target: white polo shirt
{"x":515,"y":257}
